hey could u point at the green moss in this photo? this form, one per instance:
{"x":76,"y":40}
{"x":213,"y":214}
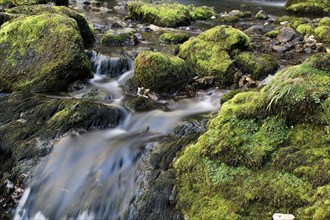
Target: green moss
{"x":27,"y":117}
{"x":10,"y":3}
{"x":315,"y":8}
{"x":207,"y":59}
{"x":4,"y":17}
{"x":41,"y":53}
{"x":322,"y":34}
{"x":325,"y":21}
{"x":174,"y":38}
{"x":227,"y":38}
{"x":168,"y":14}
{"x":162,"y":73}
{"x":254,"y":161}
{"x":291,"y":21}
{"x":85,"y":28}
{"x":200,"y":13}
{"x":227,"y":19}
{"x":119,"y":38}
{"x":272,"y":34}
{"x":258,"y":66}
{"x":305,"y":29}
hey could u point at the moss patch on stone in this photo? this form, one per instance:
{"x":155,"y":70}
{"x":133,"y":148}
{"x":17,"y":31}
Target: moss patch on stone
{"x":168,"y":14}
{"x":322,"y":34}
{"x":266,"y":151}
{"x":85,"y":27}
{"x":315,"y":7}
{"x":256,"y":65}
{"x":42,"y":53}
{"x":174,"y":38}
{"x":161,"y":73}
{"x":305,"y":29}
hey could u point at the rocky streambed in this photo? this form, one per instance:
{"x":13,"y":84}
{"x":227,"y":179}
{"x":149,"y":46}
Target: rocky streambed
{"x":114,"y":114}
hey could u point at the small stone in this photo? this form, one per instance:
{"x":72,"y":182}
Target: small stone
{"x":279,"y":216}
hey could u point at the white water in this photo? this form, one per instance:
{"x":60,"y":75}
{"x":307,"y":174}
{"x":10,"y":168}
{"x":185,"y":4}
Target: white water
{"x":93,"y":176}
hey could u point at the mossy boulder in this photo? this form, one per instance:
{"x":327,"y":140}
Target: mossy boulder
{"x":256,"y":65}
{"x":305,"y":29}
{"x":322,"y":34}
{"x":315,"y":7}
{"x":266,"y":151}
{"x":119,"y":38}
{"x":325,"y":21}
{"x":168,"y":14}
{"x":10,"y":3}
{"x":85,"y":27}
{"x":161,"y":73}
{"x":174,"y":38}
{"x":227,"y":19}
{"x":41,"y":53}
{"x":208,"y":53}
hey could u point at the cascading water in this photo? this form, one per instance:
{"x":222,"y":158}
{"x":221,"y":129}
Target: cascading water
{"x":93,"y":175}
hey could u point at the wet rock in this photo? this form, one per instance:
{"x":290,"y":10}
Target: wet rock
{"x":261,"y":15}
{"x":286,"y":34}
{"x":161,"y":73}
{"x":41,"y":59}
{"x":140,"y":104}
{"x":119,"y":38}
{"x":84,"y":26}
{"x":97,"y":95}
{"x":258,"y":29}
{"x":236,"y":13}
{"x":281,"y":48}
{"x":109,"y":66}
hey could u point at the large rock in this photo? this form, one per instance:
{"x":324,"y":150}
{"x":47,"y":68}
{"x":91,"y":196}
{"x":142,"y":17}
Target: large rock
{"x":161,"y":73}
{"x":42,"y":53}
{"x":271,"y":144}
{"x":208,"y":53}
{"x":168,"y":14}
{"x":287,"y":34}
{"x":28,"y":122}
{"x":303,"y":7}
{"x":85,"y":28}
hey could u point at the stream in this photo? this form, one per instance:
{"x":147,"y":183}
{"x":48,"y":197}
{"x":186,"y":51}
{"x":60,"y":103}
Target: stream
{"x":94,"y":175}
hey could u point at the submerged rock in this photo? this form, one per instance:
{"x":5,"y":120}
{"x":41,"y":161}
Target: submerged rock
{"x":42,"y":53}
{"x":161,"y":73}
{"x":85,"y":28}
{"x":270,"y":143}
{"x":168,"y":14}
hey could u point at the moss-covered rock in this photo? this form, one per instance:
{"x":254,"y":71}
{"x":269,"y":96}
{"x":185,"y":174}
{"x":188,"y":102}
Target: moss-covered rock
{"x":119,"y":38}
{"x":85,"y":28}
{"x":208,"y":53}
{"x":41,"y":53}
{"x":304,"y":7}
{"x":174,"y":38}
{"x":322,"y":34}
{"x":291,"y":21}
{"x":161,"y":73}
{"x":325,"y":21}
{"x":256,"y":65}
{"x":266,"y":151}
{"x":305,"y":29}
{"x":10,"y":3}
{"x":272,"y":34}
{"x":168,"y":14}
{"x":227,"y":19}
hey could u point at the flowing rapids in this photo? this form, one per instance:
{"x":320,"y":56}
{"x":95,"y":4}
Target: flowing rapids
{"x":93,"y":175}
